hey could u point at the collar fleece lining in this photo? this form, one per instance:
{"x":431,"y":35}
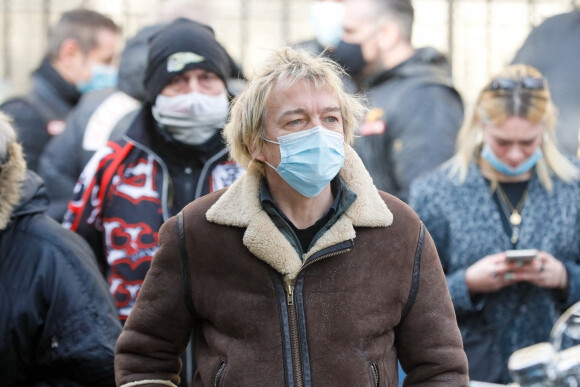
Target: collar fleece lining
{"x":240,"y":206}
{"x":12,"y":175}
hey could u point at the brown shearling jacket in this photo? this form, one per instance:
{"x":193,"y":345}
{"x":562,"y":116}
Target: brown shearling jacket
{"x":264,"y":318}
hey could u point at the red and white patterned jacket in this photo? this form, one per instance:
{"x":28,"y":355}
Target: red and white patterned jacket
{"x":122,"y":198}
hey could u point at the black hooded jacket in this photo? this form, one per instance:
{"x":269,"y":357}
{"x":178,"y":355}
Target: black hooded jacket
{"x":57,"y":320}
{"x":410,"y":129}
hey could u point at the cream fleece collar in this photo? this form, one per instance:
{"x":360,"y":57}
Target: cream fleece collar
{"x":11,"y":177}
{"x":240,"y":206}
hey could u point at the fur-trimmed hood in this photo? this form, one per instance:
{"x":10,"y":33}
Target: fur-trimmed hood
{"x":240,"y":207}
{"x":12,"y":175}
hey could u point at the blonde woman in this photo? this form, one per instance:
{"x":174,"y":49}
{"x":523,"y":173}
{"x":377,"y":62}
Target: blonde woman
{"x":507,"y":188}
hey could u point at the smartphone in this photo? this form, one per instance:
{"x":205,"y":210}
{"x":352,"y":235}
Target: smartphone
{"x":524,"y":256}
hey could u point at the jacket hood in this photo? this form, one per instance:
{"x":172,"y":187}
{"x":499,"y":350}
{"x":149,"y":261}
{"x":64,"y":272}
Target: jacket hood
{"x":33,"y":199}
{"x":134,"y":62}
{"x":427,"y":62}
{"x":12,"y":175}
{"x":240,"y":206}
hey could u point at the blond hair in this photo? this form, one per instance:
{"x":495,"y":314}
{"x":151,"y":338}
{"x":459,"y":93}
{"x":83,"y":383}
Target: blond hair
{"x":245,"y":130}
{"x":494,"y":106}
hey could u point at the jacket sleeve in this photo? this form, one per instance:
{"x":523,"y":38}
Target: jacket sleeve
{"x":84,"y":212}
{"x":424,"y":132}
{"x":428,"y":340}
{"x":421,"y":200}
{"x":80,"y":325}
{"x":60,"y":167}
{"x":159,"y":326}
{"x":538,"y":42}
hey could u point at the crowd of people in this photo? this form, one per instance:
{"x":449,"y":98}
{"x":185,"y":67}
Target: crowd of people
{"x":333,"y":220}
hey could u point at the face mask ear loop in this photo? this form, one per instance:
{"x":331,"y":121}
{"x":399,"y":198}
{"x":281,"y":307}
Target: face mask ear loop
{"x":265,"y":162}
{"x":270,"y":141}
{"x":270,"y":165}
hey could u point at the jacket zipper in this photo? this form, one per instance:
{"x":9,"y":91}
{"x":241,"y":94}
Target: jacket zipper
{"x":293,"y":320}
{"x":375,"y":374}
{"x":294,"y":341}
{"x":204,"y":171}
{"x":188,"y":186}
{"x":219,"y":374}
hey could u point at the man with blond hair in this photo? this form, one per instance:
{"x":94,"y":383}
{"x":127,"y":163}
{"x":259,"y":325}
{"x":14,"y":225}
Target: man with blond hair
{"x":302,"y":272}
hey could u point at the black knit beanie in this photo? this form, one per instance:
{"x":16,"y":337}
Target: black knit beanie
{"x":181,"y":46}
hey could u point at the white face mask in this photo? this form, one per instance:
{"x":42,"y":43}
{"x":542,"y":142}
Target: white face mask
{"x":192,"y":118}
{"x":326,"y":18}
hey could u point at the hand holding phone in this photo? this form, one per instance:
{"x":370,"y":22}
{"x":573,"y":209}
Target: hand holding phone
{"x":523,"y":256}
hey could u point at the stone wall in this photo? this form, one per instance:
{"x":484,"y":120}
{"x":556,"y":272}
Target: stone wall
{"x":482,"y":37}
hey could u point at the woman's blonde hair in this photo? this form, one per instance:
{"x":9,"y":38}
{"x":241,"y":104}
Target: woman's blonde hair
{"x":245,"y":130}
{"x":495,"y":105}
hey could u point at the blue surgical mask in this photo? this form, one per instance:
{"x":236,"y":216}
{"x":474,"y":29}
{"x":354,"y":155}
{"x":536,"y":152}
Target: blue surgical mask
{"x":102,"y":76}
{"x":326,"y":18}
{"x":310,"y":159}
{"x":502,"y":167}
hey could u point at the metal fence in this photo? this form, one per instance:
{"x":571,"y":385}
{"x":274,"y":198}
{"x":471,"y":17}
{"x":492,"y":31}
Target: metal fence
{"x":480,"y":36}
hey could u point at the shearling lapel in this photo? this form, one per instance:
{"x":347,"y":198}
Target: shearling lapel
{"x":240,"y":206}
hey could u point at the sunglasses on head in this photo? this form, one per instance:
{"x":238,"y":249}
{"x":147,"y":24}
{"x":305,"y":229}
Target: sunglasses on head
{"x":529,"y":83}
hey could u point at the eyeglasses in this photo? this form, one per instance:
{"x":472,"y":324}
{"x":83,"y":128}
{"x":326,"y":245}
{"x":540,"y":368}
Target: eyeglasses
{"x":529,"y":83}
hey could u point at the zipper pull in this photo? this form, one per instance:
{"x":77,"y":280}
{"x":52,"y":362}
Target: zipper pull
{"x":290,"y":288}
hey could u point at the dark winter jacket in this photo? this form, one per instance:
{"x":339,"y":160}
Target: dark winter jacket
{"x":89,"y":125}
{"x":371,"y":289}
{"x":40,"y":114}
{"x":553,"y":47}
{"x":58,"y":322}
{"x":130,"y":187}
{"x":415,"y":114}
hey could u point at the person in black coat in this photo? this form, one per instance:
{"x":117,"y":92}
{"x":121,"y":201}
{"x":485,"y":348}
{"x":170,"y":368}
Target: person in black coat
{"x":58,"y":322}
{"x":81,"y":49}
{"x":91,"y":122}
{"x":553,"y":47}
{"x":415,"y":112}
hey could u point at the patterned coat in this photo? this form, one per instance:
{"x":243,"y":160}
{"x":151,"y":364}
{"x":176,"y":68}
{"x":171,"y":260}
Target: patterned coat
{"x":124,"y":195}
{"x":466,"y":226}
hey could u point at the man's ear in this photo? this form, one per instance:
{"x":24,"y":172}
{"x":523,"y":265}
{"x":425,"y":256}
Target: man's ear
{"x":69,"y":51}
{"x":390,"y":35}
{"x":257,"y":155}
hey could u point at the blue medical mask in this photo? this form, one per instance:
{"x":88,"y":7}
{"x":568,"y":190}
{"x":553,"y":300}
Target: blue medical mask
{"x":502,"y":167}
{"x":102,"y":76}
{"x":326,"y":18}
{"x":310,"y":159}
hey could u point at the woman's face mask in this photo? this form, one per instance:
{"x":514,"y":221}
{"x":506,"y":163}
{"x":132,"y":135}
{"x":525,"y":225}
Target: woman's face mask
{"x":192,"y":118}
{"x":512,"y":147}
{"x":506,"y":169}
